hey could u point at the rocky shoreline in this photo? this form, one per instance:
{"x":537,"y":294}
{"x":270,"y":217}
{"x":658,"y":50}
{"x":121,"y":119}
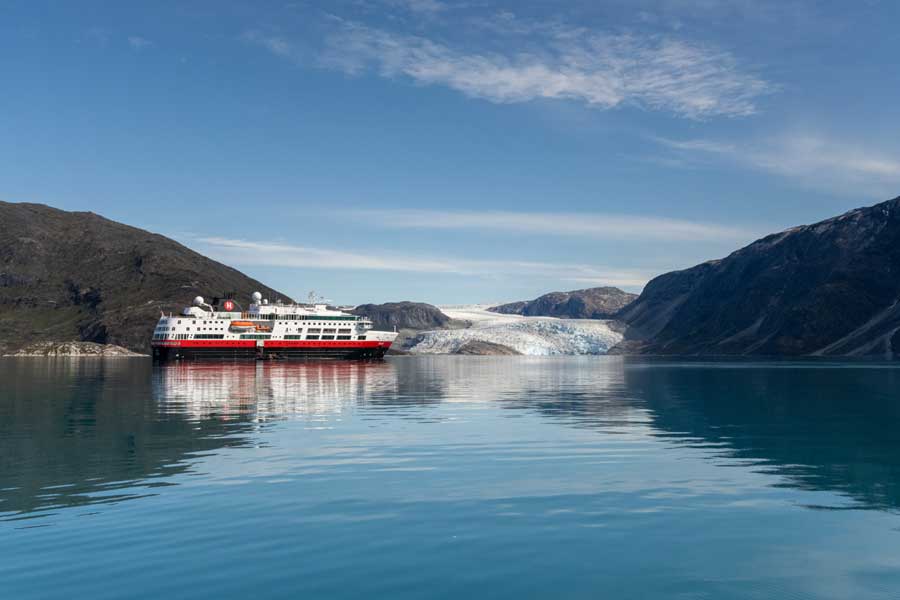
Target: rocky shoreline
{"x":74,"y":350}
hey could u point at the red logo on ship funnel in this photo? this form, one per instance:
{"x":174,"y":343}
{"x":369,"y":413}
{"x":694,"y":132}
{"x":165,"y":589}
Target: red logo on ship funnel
{"x":229,"y":305}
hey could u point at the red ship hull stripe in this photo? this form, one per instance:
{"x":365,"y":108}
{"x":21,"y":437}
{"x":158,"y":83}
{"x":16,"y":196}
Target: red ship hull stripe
{"x":268,"y":344}
{"x":205,"y":343}
{"x":327,"y":344}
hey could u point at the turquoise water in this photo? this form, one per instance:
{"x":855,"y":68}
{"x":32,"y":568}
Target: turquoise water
{"x":450,"y":477}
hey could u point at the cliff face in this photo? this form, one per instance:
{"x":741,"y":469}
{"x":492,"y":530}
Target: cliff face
{"x":72,"y":276}
{"x":482,"y":348}
{"x":591,"y":303}
{"x":831,"y":288}
{"x":403,"y":315}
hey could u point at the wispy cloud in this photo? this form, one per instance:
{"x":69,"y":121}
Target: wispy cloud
{"x":602,"y":70}
{"x":287,"y":255}
{"x":813,"y":159}
{"x":547,"y":61}
{"x":139,"y":43}
{"x":247,"y":252}
{"x":606,"y":226}
{"x":275,"y":44}
{"x":422,"y":7}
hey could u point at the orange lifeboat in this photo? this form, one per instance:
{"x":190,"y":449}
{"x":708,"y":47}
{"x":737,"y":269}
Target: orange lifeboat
{"x":242,"y":325}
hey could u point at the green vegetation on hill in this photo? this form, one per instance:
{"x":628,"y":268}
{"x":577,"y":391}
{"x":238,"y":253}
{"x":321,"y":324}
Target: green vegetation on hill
{"x":75,"y":276}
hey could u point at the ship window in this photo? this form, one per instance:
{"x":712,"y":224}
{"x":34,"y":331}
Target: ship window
{"x":343,"y":337}
{"x":329,"y":330}
{"x":327,"y":337}
{"x":362,"y":337}
{"x":343,"y":331}
{"x":312,"y":337}
{"x":312,"y":330}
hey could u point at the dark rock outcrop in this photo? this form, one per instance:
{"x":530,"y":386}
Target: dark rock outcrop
{"x":403,"y":315}
{"x":75,"y":276}
{"x":482,"y":348}
{"x":832,"y":288}
{"x":591,"y":303}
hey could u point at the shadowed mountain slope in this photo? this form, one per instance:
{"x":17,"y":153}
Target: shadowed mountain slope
{"x":75,"y":276}
{"x":830,"y":288}
{"x":403,"y":315}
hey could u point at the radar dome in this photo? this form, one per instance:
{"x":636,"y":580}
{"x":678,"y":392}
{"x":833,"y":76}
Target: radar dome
{"x":256,"y":297}
{"x":198,"y":301}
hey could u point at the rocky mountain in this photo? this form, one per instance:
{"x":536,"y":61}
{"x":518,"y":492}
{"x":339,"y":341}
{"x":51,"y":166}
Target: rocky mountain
{"x":75,"y":276}
{"x":403,"y":315}
{"x":591,"y":303}
{"x":482,"y":348}
{"x":831,"y":288}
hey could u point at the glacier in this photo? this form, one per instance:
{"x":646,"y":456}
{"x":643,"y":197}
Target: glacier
{"x":532,"y":336}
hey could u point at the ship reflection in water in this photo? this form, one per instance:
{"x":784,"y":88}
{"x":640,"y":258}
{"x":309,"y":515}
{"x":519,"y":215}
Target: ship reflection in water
{"x":569,"y":476}
{"x":270,"y":390}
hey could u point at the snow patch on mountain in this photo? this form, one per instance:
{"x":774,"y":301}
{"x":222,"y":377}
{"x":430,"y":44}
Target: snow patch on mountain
{"x":534,"y":336}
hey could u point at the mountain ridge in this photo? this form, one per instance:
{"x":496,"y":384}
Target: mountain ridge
{"x":78,"y":276}
{"x":830,"y":288}
{"x":589,"y":303}
{"x":403,"y":315}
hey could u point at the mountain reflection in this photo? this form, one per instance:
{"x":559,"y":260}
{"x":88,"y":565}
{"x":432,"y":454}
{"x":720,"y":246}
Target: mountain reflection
{"x":87,"y":432}
{"x":76,"y":432}
{"x":819,"y":426}
{"x":815,"y":425}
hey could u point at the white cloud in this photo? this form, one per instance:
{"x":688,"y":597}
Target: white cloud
{"x":423,"y":7}
{"x":556,"y":62}
{"x":813,"y":159}
{"x":544,"y":60}
{"x":245,"y":252}
{"x":567,"y":224}
{"x":697,"y":145}
{"x":287,"y":255}
{"x":98,"y":35}
{"x":138,"y":43}
{"x":275,"y":44}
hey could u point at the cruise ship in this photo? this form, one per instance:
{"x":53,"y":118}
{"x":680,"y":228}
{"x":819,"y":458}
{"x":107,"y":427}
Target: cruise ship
{"x":223,"y":330}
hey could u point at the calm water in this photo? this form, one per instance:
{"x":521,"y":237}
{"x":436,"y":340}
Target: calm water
{"x":449,"y":477}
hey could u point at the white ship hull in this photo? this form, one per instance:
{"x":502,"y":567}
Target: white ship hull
{"x":267,"y":332}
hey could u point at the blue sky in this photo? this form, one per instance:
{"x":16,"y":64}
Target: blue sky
{"x":452,"y":152}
